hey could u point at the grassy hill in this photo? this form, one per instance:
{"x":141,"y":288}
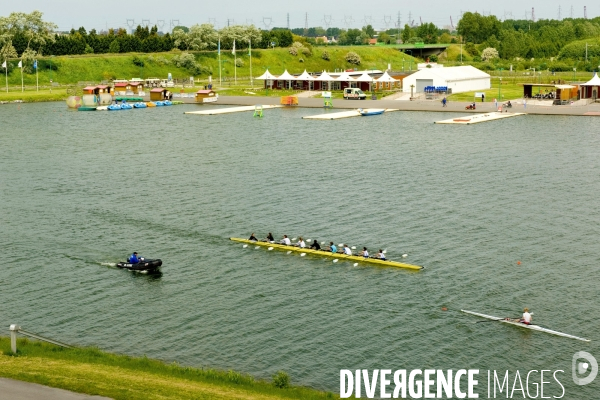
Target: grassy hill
{"x":95,"y":68}
{"x":91,"y":371}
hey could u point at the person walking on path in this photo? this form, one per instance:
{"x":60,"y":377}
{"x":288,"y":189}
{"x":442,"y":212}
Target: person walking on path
{"x":524,"y":103}
{"x":444,"y":101}
{"x":496,"y":103}
{"x":482,"y":97}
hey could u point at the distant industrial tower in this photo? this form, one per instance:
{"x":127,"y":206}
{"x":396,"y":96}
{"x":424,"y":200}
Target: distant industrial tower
{"x":532,"y":14}
{"x":306,"y":24}
{"x":584,"y":12}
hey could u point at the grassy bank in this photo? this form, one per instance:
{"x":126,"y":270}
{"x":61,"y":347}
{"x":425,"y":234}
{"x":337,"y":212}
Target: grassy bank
{"x":68,"y":70}
{"x":94,"y":372}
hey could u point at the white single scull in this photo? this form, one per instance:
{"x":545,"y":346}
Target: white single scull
{"x":522,"y":325}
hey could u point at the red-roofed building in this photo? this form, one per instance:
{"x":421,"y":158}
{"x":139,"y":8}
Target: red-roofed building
{"x":206,"y":96}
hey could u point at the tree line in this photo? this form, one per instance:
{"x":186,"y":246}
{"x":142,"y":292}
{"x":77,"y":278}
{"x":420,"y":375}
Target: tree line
{"x":28,"y":36}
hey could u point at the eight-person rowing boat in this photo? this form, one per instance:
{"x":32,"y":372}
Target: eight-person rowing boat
{"x":524,"y":324}
{"x":329,"y":252}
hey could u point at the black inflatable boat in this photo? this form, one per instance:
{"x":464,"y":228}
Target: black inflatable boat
{"x":143,"y":265}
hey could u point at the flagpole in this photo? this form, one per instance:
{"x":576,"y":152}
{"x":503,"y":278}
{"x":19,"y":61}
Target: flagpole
{"x":250,"y":53}
{"x":37,"y":81}
{"x":22,"y":87}
{"x":6,"y":72}
{"x":234,"y":64}
{"x":219,"y":51}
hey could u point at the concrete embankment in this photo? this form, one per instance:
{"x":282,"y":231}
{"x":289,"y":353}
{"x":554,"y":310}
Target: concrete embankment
{"x":592,"y":109}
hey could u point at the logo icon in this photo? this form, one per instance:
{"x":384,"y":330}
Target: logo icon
{"x":580,"y":368}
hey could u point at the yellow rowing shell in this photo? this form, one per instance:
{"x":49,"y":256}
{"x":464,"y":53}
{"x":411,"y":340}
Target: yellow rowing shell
{"x":322,"y":253}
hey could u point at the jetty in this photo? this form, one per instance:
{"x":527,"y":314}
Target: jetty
{"x":475,"y":119}
{"x":229,"y":110}
{"x":343,"y":114}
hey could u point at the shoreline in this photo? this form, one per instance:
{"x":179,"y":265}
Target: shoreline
{"x":592,"y":109}
{"x":88,"y":370}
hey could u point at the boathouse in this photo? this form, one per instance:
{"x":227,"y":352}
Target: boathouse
{"x":159,"y":94}
{"x":455,"y":79}
{"x":206,"y":96}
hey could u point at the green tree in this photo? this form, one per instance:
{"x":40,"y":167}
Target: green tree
{"x":114,"y":47}
{"x":406,"y":33}
{"x":369,"y":31}
{"x":428,"y":32}
{"x":34,"y":31}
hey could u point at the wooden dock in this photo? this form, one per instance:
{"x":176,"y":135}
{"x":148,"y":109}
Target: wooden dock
{"x":477,"y":118}
{"x":342,"y":114}
{"x":229,"y":110}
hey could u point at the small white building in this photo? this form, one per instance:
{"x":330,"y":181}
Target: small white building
{"x":456,"y":79}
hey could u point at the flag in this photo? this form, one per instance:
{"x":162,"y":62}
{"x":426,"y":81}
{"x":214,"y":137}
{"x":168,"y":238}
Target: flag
{"x":219,"y":46}
{"x":233,"y":51}
{"x":20,"y":64}
{"x":4,"y":64}
{"x":249,"y":47}
{"x":35,"y":64}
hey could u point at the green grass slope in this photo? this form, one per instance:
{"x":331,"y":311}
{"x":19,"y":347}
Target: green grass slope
{"x":96,"y":68}
{"x":91,"y":371}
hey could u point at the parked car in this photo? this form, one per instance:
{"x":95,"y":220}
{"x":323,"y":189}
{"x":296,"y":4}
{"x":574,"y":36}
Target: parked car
{"x":354,"y":93}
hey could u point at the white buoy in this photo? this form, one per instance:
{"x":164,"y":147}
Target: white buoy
{"x":257,"y":247}
{"x":293,"y":238}
{"x":322,"y":242}
{"x":404,"y":255}
{"x":270,"y":248}
{"x":244,"y":246}
{"x":289,"y":252}
{"x":308,"y":240}
{"x":356,"y":264}
{"x":353,"y":247}
{"x":335,"y":260}
{"x":384,"y":251}
{"x":341,"y":244}
{"x":302,"y":254}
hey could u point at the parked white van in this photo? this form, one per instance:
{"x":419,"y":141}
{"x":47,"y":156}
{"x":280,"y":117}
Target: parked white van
{"x":354,"y":93}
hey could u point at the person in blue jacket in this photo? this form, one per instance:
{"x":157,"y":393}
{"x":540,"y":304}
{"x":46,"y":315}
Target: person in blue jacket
{"x":134,"y":258}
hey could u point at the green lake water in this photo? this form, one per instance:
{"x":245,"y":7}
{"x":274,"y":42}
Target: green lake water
{"x":79,"y":191}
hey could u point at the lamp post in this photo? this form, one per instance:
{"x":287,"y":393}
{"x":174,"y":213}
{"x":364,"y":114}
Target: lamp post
{"x":500,"y":85}
{"x":574,"y":70}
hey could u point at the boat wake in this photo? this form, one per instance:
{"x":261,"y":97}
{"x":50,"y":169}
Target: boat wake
{"x":108,"y":264}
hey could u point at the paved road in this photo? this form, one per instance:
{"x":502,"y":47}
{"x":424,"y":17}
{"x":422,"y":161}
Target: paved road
{"x":18,"y":390}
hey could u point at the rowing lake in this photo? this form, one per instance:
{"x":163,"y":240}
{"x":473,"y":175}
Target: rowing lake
{"x":80,"y":191}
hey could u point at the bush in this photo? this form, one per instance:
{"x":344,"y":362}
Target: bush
{"x":489,"y":53}
{"x":138,"y":61}
{"x":306,"y":51}
{"x":293,"y":51}
{"x":239,"y":62}
{"x":433,"y":58}
{"x":325,"y":55}
{"x":188,"y":61}
{"x":301,"y":59}
{"x":88,"y":49}
{"x":281,"y":380}
{"x":352,"y":58}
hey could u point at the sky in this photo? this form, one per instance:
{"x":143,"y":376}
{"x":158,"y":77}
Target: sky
{"x":266,"y":14}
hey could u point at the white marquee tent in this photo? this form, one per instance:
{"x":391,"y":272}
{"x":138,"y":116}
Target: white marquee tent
{"x":456,"y":79}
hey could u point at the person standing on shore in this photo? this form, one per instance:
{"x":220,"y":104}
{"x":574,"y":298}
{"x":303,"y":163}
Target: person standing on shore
{"x":496,"y":103}
{"x":444,"y":102}
{"x":482,"y":97}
